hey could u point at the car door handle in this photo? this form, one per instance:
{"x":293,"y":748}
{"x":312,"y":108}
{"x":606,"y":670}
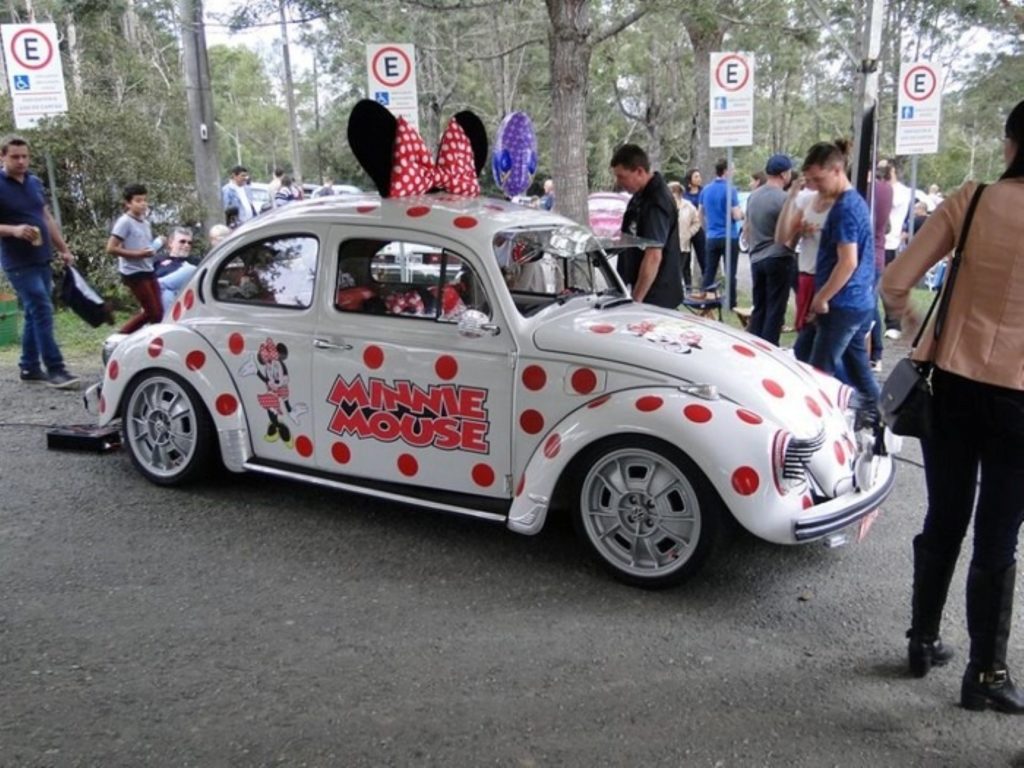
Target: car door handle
{"x":325,"y":344}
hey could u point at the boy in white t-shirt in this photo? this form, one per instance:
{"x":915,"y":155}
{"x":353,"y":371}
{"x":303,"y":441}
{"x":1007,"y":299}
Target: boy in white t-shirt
{"x":131,"y":241}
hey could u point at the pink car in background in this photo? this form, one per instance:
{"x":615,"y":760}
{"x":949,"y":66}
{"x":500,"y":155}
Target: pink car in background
{"x":605,"y":211}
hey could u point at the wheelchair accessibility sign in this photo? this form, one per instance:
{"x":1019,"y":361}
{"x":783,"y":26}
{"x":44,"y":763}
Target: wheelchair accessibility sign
{"x":35,"y":76}
{"x":22,"y":83}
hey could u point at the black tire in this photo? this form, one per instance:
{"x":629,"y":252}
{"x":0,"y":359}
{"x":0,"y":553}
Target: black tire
{"x":646,"y":537}
{"x":167,"y":430}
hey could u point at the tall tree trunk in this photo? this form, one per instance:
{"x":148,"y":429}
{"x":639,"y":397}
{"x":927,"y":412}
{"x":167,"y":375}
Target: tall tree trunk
{"x":570,"y":52}
{"x":74,"y":53}
{"x":706,"y":36}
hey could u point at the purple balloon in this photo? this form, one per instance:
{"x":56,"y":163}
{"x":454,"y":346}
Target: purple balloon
{"x":515,"y":154}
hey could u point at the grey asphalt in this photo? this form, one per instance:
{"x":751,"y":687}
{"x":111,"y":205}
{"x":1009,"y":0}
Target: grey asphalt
{"x":248,"y":622}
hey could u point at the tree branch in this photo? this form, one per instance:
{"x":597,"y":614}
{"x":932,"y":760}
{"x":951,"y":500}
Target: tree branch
{"x":614,"y":29}
{"x":507,"y":51}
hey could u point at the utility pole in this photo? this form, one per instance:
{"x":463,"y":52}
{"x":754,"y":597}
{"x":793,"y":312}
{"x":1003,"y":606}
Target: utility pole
{"x":289,"y":95}
{"x":200,"y":111}
{"x":865,"y":145}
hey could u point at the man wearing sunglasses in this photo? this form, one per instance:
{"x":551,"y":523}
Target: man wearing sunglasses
{"x":175,"y":268}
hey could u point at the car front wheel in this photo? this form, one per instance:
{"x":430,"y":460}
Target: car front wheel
{"x":646,"y":511}
{"x":168,"y":432}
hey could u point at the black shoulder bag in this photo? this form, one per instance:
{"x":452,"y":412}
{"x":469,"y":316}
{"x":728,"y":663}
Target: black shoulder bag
{"x":906,"y":401}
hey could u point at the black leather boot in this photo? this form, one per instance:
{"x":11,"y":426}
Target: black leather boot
{"x":932,"y":574}
{"x":987,"y":681}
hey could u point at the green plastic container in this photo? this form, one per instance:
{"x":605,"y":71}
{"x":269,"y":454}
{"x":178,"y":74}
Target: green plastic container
{"x":8,"y":320}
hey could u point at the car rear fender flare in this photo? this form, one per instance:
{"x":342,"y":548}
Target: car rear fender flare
{"x":732,"y":450}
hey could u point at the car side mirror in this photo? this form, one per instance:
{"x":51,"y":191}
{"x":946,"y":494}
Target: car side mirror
{"x":474,"y":324}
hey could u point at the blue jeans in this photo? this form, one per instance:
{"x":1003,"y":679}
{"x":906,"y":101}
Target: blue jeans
{"x":714,"y":252}
{"x":34,"y":286}
{"x":839,"y":345}
{"x":773,"y":279}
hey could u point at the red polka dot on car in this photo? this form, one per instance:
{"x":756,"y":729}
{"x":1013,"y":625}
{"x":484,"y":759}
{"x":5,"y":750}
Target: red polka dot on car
{"x":113,"y":370}
{"x":597,"y":402}
{"x":195,"y":360}
{"x":408,"y":465}
{"x":534,"y":377}
{"x":745,"y":351}
{"x":416,"y":211}
{"x":341,"y":453}
{"x":602,"y":328}
{"x":446,"y":367}
{"x":649,"y":403}
{"x":813,"y":406}
{"x":552,"y":446}
{"x":103,"y":404}
{"x":483,"y":475}
{"x":584,"y":381}
{"x":236,"y":343}
{"x":226,"y":404}
{"x":531,"y":421}
{"x":156,"y":346}
{"x":807,"y":502}
{"x":745,"y":481}
{"x":521,"y":486}
{"x":748,"y":416}
{"x":189,"y":299}
{"x":176,"y":311}
{"x":373,"y":357}
{"x":840,"y":453}
{"x":366,"y":208}
{"x":303,"y":446}
{"x":697,"y":413}
{"x":773,"y":388}
{"x":465,"y":222}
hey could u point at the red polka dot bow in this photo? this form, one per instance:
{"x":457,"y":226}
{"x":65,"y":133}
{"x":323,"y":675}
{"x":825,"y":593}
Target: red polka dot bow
{"x":268,"y":351}
{"x":414,"y":172}
{"x":410,"y":303}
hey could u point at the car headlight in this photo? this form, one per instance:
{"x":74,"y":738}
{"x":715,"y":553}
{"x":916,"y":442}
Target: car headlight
{"x":110,"y":344}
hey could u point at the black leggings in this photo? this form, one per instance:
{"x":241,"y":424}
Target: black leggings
{"x":980,"y":426}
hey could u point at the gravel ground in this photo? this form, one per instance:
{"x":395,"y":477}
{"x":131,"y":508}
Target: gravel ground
{"x":247,"y":622}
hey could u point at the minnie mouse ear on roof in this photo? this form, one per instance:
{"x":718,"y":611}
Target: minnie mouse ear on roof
{"x":371,"y":135}
{"x":474,"y":129}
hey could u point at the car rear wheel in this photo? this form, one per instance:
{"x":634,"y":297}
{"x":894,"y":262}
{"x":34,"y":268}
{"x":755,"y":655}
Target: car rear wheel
{"x":167,"y":429}
{"x":646,"y":511}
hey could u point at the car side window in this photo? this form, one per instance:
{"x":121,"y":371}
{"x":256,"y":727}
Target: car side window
{"x":276,"y":272}
{"x":403,"y":279}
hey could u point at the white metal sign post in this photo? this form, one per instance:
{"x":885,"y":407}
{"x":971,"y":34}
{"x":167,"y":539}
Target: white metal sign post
{"x":731,"y":124}
{"x":919,"y":109}
{"x":391,"y":76}
{"x":34,"y":72}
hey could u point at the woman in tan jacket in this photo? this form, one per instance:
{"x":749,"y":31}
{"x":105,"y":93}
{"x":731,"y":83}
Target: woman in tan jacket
{"x":689,"y":225}
{"x":978,"y":381}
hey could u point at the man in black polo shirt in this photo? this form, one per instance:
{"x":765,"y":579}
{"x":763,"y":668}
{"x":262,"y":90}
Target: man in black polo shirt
{"x":653,"y":273}
{"x":28,"y":234}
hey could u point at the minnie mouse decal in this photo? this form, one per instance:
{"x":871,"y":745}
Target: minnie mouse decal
{"x":268,"y":364}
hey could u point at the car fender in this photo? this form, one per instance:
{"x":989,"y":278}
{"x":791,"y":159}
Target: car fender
{"x":179,"y":349}
{"x":729,"y":443}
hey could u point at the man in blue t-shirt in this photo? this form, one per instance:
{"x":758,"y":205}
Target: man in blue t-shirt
{"x":28,"y":234}
{"x":844,"y":277}
{"x":715,"y":212}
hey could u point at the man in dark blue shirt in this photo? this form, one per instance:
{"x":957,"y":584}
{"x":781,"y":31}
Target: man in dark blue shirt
{"x":28,"y":235}
{"x":654,"y":273}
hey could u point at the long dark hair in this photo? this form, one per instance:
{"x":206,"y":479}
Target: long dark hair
{"x":1015,"y":131}
{"x":688,"y":179}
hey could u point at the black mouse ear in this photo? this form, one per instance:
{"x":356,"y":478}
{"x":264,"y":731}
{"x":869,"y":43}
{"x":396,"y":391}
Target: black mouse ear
{"x":371,"y":135}
{"x":474,"y":129}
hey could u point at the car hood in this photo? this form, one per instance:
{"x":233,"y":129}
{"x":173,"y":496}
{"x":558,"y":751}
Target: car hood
{"x":660,"y":343}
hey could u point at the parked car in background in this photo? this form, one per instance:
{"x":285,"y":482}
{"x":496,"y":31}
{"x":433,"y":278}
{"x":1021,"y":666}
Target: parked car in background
{"x":479,"y":357}
{"x":259,"y":196}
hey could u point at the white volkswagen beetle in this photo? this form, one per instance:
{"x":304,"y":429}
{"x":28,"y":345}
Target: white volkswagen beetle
{"x":474,"y":356}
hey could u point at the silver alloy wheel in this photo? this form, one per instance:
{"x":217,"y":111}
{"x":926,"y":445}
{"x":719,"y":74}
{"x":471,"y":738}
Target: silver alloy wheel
{"x":640,"y":512}
{"x":161,"y":427}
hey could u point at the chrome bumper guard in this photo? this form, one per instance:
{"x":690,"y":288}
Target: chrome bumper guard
{"x":842,"y":512}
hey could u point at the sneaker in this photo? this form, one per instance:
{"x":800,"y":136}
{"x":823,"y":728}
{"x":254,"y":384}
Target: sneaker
{"x":893,"y":333}
{"x":876,"y":366}
{"x":63,"y":380}
{"x":27,"y":375}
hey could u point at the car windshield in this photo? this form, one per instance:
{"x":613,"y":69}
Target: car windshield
{"x":542,"y":265}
